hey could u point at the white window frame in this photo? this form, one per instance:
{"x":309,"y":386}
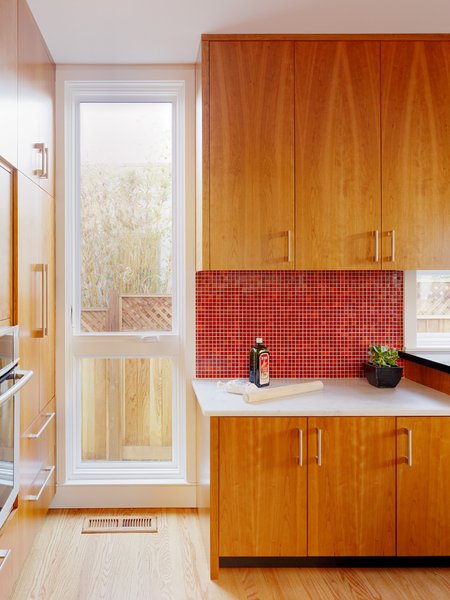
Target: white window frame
{"x":122,"y":84}
{"x":413,"y":339}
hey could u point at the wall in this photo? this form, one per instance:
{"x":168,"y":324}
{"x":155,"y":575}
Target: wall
{"x":315,"y":323}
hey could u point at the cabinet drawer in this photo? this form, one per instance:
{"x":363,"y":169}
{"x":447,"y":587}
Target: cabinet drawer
{"x":37,"y":443}
{"x":10,"y":562}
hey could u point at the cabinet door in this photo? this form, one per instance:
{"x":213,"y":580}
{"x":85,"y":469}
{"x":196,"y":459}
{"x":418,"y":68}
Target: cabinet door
{"x":262,"y":489}
{"x":47,"y":359}
{"x":251,"y":155}
{"x":30,"y":292}
{"x":337,"y":155}
{"x":8,"y":81}
{"x":351,"y":488}
{"x":423,"y":487}
{"x":35,"y":103}
{"x":6,"y":243}
{"x":415,"y":91}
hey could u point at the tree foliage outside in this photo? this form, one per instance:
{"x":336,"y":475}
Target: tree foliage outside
{"x":126,"y":231}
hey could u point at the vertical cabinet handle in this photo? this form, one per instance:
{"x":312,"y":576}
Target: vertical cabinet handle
{"x":377,"y":242}
{"x":409,"y":456}
{"x":42,"y":173}
{"x":46,"y":299}
{"x":289,"y":245}
{"x":391,"y":234}
{"x":319,"y":447}
{"x":300,"y":447}
{"x":4,"y":555}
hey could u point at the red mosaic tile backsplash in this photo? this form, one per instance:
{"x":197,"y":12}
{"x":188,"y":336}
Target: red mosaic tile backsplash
{"x":315,"y":323}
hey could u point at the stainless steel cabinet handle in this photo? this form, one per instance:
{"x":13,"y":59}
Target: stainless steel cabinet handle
{"x":300,"y":447}
{"x":409,"y":457}
{"x":391,"y":234}
{"x":45,"y":174}
{"x":4,"y":555}
{"x":35,"y":497}
{"x":289,"y":245}
{"x":41,"y":149}
{"x":46,"y":299}
{"x":377,"y":241}
{"x":37,"y":435}
{"x":319,"y":447}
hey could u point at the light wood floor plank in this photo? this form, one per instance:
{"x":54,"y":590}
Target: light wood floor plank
{"x":171,"y":565}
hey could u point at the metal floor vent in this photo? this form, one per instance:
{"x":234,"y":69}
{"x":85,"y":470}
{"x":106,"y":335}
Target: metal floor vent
{"x":116,"y":524}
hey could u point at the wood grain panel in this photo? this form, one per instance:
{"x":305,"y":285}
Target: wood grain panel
{"x":251,"y":155}
{"x":351,"y":496}
{"x":438,"y":380}
{"x":202,"y":158}
{"x":416,"y":153}
{"x":47,"y":367}
{"x":423,"y":489}
{"x":8,"y":541}
{"x":36,"y":89}
{"x":214,"y":439}
{"x":8,"y":81}
{"x":6,"y":241}
{"x":337,"y":154}
{"x":29,"y":292}
{"x":262,"y":495}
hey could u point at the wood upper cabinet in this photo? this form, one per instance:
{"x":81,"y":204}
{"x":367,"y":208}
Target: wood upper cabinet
{"x":351,"y":487}
{"x":8,"y":81}
{"x":251,"y":154}
{"x":337,"y":154}
{"x":423,"y":486}
{"x":35,"y":302}
{"x":415,"y":92}
{"x":262,"y":491}
{"x":36,"y":93}
{"x":6,"y":244}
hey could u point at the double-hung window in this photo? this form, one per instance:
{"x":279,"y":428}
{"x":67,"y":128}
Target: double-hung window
{"x":127,"y":336}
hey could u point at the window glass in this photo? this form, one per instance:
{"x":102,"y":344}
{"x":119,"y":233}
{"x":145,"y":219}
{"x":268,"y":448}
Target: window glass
{"x":433,"y":308}
{"x":126,"y":216}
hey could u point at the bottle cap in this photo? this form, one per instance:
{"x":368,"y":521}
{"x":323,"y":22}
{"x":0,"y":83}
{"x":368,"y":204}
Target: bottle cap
{"x":259,"y":340}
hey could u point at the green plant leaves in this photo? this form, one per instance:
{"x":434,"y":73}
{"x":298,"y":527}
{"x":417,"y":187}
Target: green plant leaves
{"x":383,"y":356}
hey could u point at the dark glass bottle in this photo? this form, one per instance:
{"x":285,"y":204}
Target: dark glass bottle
{"x":259,"y":364}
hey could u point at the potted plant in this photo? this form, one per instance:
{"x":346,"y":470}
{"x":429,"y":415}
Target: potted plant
{"x":382,"y":369}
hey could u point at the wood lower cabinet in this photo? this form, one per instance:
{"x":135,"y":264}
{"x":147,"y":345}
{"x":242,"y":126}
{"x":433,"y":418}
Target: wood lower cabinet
{"x":415,"y":92}
{"x":36,"y":295}
{"x":251,"y":155}
{"x":337,"y":154}
{"x":262,"y":492}
{"x":8,"y":81}
{"x":351,"y":486}
{"x":423,"y":486}
{"x":6,"y":243}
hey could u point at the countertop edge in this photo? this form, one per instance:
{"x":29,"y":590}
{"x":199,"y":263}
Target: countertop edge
{"x":425,"y":362}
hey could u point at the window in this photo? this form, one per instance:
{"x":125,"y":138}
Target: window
{"x":128,"y":293}
{"x":427,"y":310}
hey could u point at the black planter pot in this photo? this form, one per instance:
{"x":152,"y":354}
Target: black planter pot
{"x":384,"y":377}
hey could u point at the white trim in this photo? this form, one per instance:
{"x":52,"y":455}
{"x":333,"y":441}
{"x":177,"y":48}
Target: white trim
{"x":85,"y":494}
{"x":132,"y":345}
{"x":410,"y":310}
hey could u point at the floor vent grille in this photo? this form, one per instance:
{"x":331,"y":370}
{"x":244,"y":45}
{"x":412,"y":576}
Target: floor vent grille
{"x":113,"y":524}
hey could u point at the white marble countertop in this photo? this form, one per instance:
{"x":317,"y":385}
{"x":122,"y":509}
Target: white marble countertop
{"x":339,"y":397}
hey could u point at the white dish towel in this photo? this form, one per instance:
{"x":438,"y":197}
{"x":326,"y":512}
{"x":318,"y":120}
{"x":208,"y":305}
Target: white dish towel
{"x":251,"y":393}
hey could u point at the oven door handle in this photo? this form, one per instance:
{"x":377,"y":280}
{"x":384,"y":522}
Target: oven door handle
{"x":23,"y":378}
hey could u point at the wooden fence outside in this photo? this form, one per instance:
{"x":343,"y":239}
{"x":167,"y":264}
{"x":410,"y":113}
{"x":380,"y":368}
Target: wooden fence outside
{"x":127,"y":402}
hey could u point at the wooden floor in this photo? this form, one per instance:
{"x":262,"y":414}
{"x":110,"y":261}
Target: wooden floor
{"x":171,"y":565}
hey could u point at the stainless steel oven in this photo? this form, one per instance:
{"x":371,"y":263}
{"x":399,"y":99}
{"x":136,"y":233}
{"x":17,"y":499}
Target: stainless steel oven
{"x":12,"y":379}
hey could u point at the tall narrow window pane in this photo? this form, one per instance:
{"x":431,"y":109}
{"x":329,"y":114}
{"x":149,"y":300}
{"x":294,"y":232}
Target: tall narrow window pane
{"x":126,"y":409}
{"x":126,"y":215}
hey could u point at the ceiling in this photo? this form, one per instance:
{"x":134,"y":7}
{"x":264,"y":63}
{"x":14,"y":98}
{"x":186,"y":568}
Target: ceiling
{"x":161,"y":32}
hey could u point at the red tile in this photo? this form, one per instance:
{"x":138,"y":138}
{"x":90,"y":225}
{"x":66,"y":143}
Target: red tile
{"x":315,"y":323}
